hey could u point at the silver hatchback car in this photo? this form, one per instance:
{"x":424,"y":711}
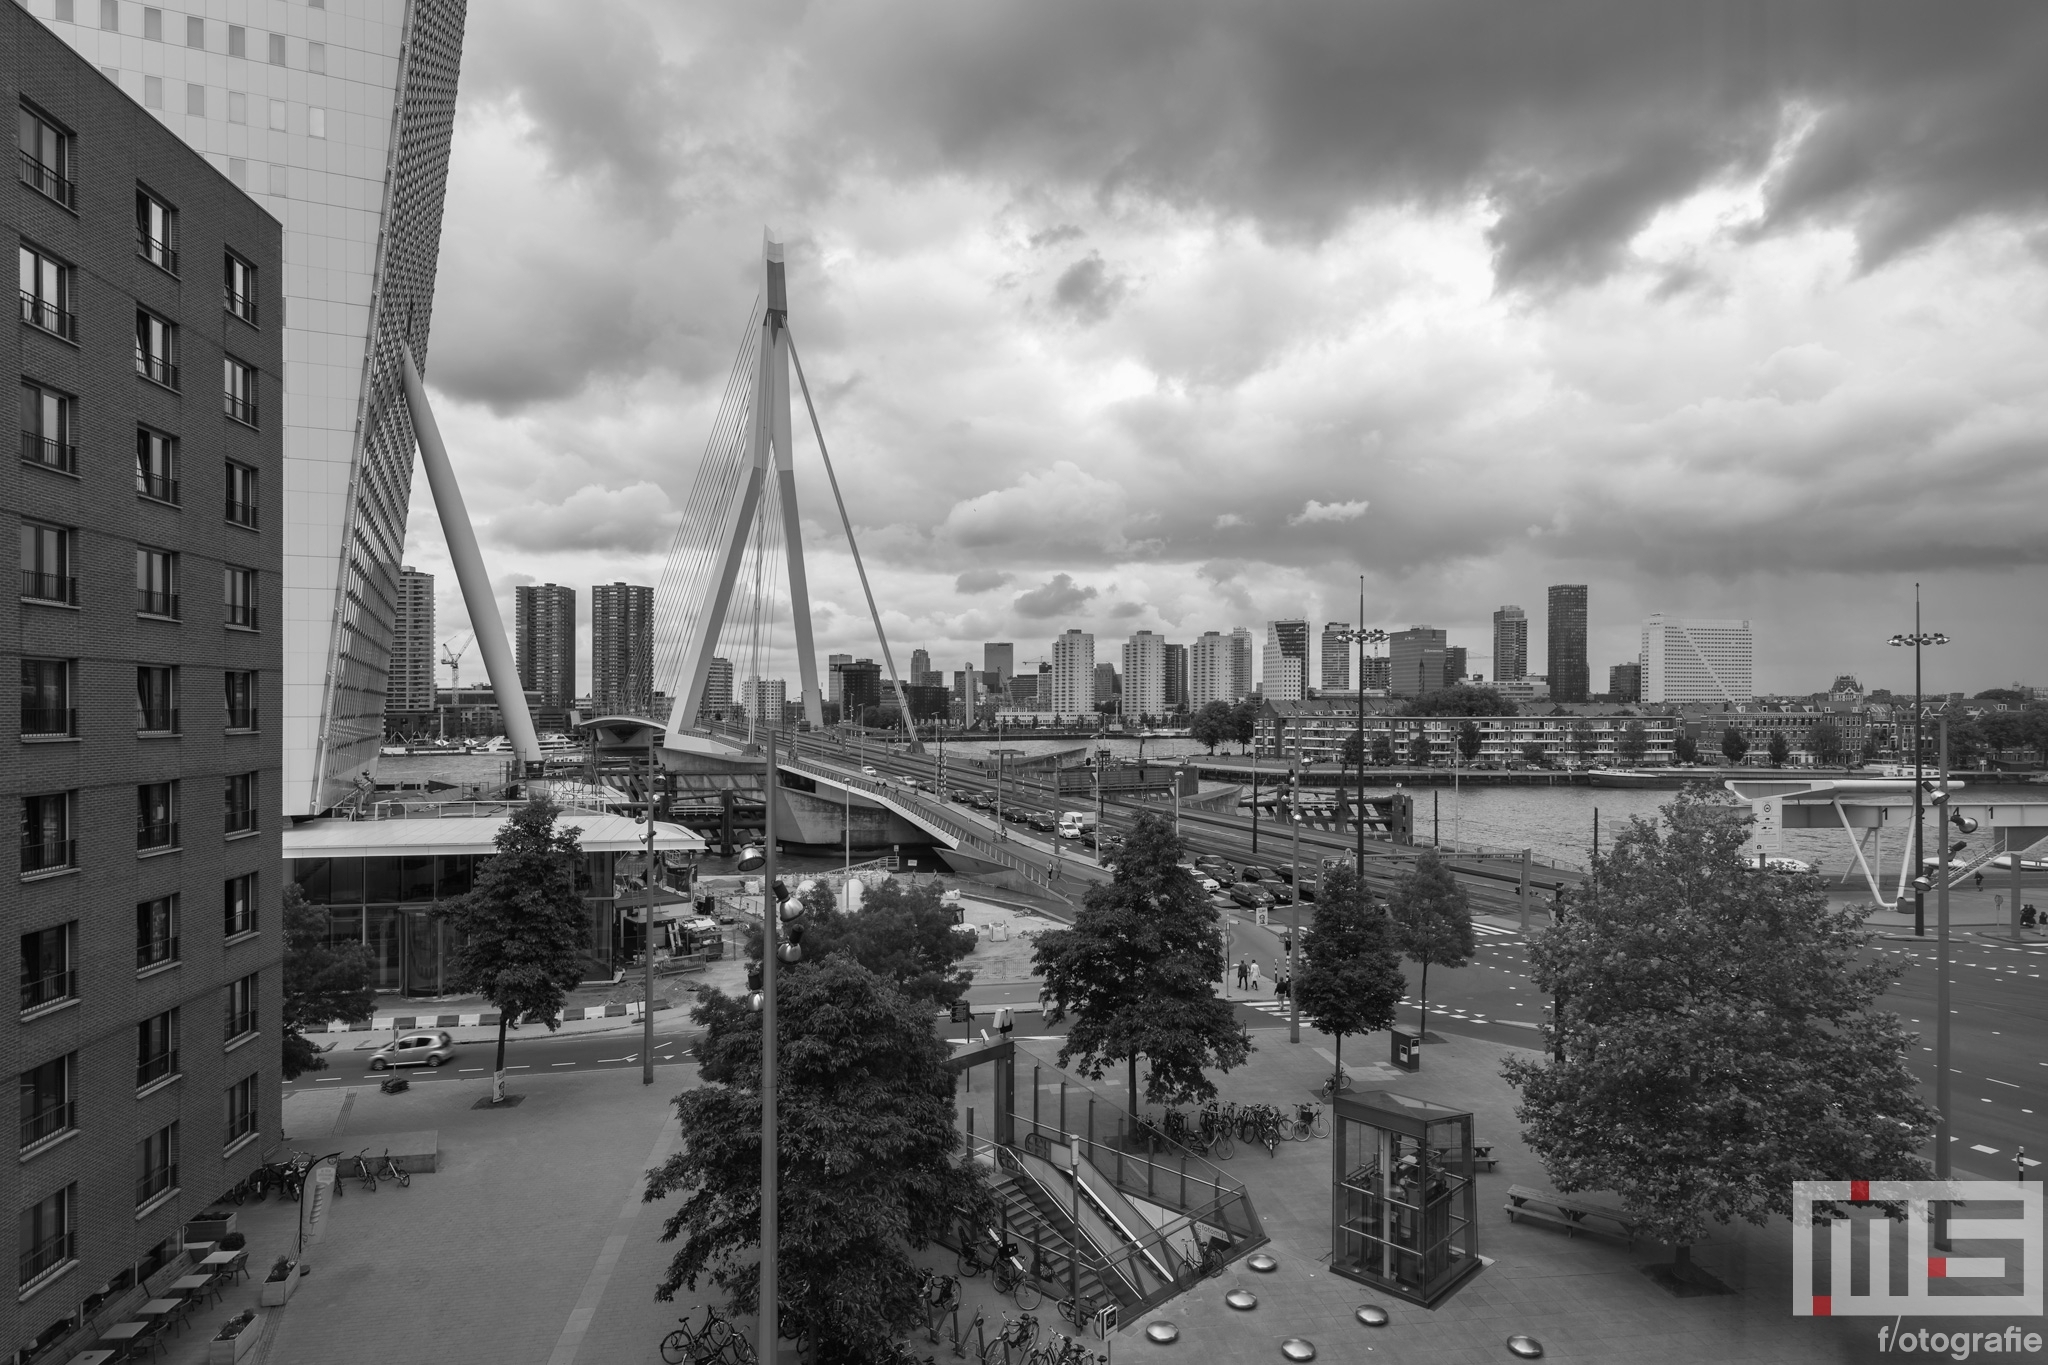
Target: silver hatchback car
{"x":415,"y":1049}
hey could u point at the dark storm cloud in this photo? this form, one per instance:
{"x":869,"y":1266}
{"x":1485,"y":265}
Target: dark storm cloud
{"x":1057,"y":596}
{"x":1087,"y":289}
{"x":980,"y":580}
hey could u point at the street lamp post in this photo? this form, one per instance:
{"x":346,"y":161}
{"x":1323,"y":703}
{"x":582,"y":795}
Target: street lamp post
{"x":1919,"y":639}
{"x":1362,"y":637}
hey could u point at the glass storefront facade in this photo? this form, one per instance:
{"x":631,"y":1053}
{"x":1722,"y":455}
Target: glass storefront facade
{"x":388,"y":903}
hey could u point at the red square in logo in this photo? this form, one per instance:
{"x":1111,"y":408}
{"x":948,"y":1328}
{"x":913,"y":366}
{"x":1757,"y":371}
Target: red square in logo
{"x":1937,"y":1267}
{"x":1859,"y":1191}
{"x":1821,"y":1306}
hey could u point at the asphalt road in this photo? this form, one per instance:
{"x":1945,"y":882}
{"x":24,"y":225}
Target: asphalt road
{"x":529,"y":1049}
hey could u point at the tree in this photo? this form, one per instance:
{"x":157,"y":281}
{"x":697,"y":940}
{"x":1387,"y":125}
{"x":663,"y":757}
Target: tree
{"x":1460,"y":699}
{"x":1633,"y":744}
{"x":1684,"y":748}
{"x":1349,"y":752}
{"x":1244,"y":721}
{"x":1532,"y":754}
{"x":1469,"y":740}
{"x":1350,"y":977}
{"x":1383,"y":749}
{"x":869,"y":1155}
{"x":1419,"y":749}
{"x":1432,"y":920}
{"x":1581,"y":739}
{"x":1211,"y":725}
{"x":524,"y":927}
{"x":906,"y":937}
{"x":1779,"y":748}
{"x":1870,"y":751}
{"x":1137,"y":971}
{"x":2004,"y":694}
{"x":1698,"y":1082}
{"x":1825,"y":740}
{"x":323,"y":981}
{"x":1734,"y":744}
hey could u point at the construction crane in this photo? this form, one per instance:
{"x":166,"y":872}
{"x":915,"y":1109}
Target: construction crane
{"x":453,"y":658}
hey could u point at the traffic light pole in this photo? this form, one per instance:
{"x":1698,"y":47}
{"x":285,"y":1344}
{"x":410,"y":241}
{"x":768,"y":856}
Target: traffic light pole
{"x":1943,"y":1126}
{"x":771,"y":919}
{"x":647,"y":944}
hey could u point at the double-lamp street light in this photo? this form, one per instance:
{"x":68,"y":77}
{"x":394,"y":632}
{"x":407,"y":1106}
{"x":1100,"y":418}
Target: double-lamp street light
{"x":1362,"y":637}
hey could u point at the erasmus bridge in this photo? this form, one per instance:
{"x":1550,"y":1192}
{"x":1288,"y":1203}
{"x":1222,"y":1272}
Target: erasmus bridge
{"x":735,"y":591}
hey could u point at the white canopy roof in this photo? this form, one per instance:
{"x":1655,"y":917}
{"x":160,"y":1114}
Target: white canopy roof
{"x":470,"y":834}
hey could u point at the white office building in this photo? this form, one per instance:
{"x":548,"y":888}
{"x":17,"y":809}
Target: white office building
{"x":337,"y":118}
{"x":1209,"y":669}
{"x":1144,"y":681}
{"x":1697,"y":660}
{"x":1073,"y":673}
{"x":763,"y":699}
{"x":1284,"y":664}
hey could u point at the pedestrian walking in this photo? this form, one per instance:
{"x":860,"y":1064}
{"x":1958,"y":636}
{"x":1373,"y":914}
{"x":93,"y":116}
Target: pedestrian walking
{"x":1980,"y":881}
{"x":1243,"y":974}
{"x":1255,"y":974}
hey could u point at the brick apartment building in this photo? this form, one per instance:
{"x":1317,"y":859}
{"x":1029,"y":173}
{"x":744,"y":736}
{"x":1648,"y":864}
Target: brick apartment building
{"x":144,"y":760}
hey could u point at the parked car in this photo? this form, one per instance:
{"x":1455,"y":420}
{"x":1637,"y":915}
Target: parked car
{"x":1250,"y":895}
{"x":1042,"y":820}
{"x":1252,"y":872}
{"x":1279,"y":891}
{"x":414,"y":1049}
{"x":1210,"y":862}
{"x":1202,"y":879}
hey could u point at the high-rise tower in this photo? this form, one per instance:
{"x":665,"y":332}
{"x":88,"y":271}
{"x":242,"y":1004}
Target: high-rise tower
{"x":1570,"y":674}
{"x":337,"y":119}
{"x":621,"y":648}
{"x":1510,"y":644}
{"x":412,"y":647}
{"x":544,"y":632}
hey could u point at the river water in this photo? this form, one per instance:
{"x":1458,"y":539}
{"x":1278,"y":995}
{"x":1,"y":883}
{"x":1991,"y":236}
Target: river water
{"x":1555,"y":823}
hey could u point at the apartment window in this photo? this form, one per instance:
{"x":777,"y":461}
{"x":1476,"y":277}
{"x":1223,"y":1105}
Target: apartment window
{"x":156,"y":699}
{"x":46,"y":564}
{"x":46,"y":158}
{"x":156,"y":582}
{"x":195,"y":99}
{"x":153,"y":24}
{"x":156,"y":465}
{"x":238,"y":594}
{"x":156,"y":1048}
{"x":153,"y":92}
{"x":48,"y":1238}
{"x":241,"y":1109}
{"x":156,"y":816}
{"x":156,"y":349}
{"x":195,"y":32}
{"x":240,"y":796}
{"x":46,"y":1104}
{"x":156,"y":932}
{"x":241,"y":1009}
{"x":241,"y":700}
{"x":46,"y":842}
{"x":316,"y":122}
{"x":110,"y":16}
{"x":157,"y":1159}
{"x":241,"y":483}
{"x":49,"y":967}
{"x":277,"y":49}
{"x":46,"y":710}
{"x":156,"y":231}
{"x":48,"y":428}
{"x":238,"y":905}
{"x":238,"y":283}
{"x":46,"y":294}
{"x":238,"y":112}
{"x":238,"y":41}
{"x":238,"y":385}
{"x":316,"y":58}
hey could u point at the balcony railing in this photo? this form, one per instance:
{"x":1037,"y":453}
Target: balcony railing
{"x":49,"y":453}
{"x":49,"y":587}
{"x":242,"y":614}
{"x":48,"y":1122}
{"x":150,"y":602}
{"x":241,"y":409}
{"x":49,"y":855}
{"x":242,"y":514}
{"x":157,"y":486}
{"x":49,"y":720}
{"x":156,"y":367}
{"x":154,"y":1183}
{"x":156,"y":952}
{"x":48,"y":1254}
{"x":48,"y":316}
{"x":36,"y":992}
{"x":155,"y":1068}
{"x":157,"y":720}
{"x":243,"y":719}
{"x":239,"y":1025}
{"x":156,"y":834}
{"x":242,"y":306}
{"x":156,"y":252}
{"x":49,"y":180}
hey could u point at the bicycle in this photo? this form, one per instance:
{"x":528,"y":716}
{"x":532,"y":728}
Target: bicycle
{"x":937,"y":1293}
{"x":1310,"y":1122}
{"x":1011,"y":1278}
{"x":1020,"y":1331}
{"x":388,"y":1170}
{"x":366,"y":1171}
{"x":714,"y":1340}
{"x":1079,"y":1310}
{"x":1211,"y":1261}
{"x":1065,"y":1350}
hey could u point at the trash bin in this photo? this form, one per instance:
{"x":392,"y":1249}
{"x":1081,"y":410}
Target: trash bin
{"x":1407,"y":1050}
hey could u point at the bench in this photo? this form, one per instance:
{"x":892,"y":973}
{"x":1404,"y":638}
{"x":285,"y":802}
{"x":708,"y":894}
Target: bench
{"x":1573,"y":1215}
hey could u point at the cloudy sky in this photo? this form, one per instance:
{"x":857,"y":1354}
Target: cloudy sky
{"x":1183,"y":314}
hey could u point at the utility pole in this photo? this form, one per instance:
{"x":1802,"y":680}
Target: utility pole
{"x":1294,"y":902}
{"x":1944,"y":1126}
{"x":771,"y":933}
{"x":647,"y":975}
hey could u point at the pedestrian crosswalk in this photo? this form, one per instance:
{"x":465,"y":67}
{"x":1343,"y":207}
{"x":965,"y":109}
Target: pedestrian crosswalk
{"x":1493,"y":930}
{"x":1274,"y":1007}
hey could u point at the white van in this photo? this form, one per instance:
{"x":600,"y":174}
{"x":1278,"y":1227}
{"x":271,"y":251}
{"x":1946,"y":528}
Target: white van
{"x":1075,"y":824}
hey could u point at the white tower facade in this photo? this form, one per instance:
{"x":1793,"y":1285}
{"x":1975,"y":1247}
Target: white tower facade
{"x":1145,"y":674}
{"x":1073,"y":673}
{"x":337,"y":118}
{"x":1697,"y":660}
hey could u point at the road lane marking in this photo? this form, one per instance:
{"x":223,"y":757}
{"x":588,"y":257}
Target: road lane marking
{"x":1995,"y":1081}
{"x":470,"y":1068}
{"x":561,"y":1063}
{"x":1980,"y":1147}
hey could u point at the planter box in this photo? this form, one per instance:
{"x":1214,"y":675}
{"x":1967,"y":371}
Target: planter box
{"x":278,"y":1293}
{"x":229,"y":1352}
{"x":209,"y":1229}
